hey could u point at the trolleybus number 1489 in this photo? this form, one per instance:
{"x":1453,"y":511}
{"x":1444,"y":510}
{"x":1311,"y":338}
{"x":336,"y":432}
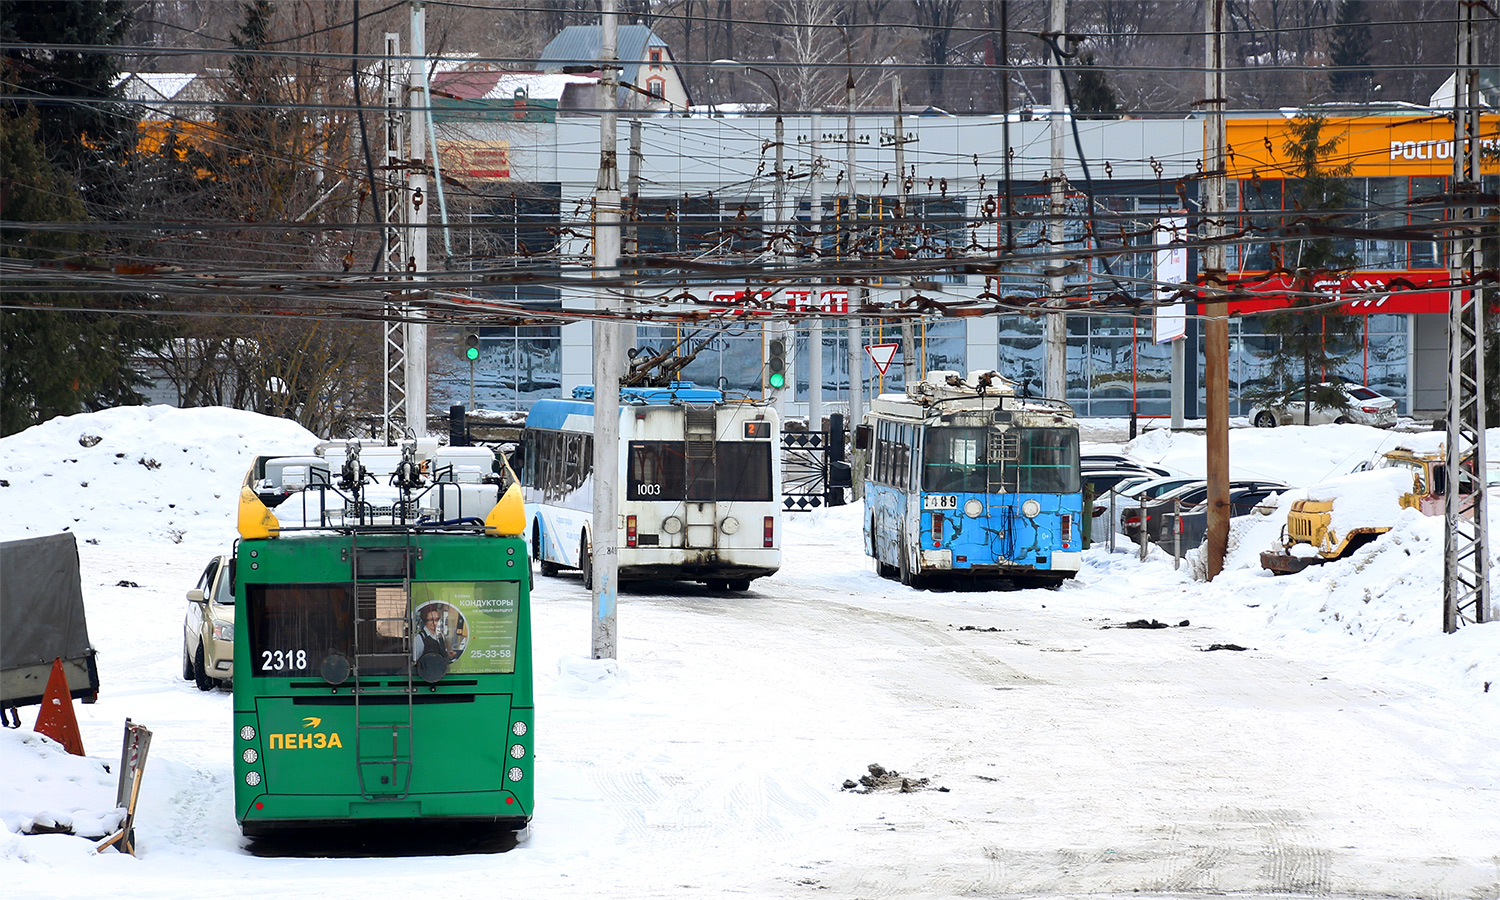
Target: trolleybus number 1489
{"x":940,"y":501}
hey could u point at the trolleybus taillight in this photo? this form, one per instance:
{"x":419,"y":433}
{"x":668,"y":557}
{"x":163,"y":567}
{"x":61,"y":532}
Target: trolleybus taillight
{"x":630,"y":535}
{"x":769,"y":533}
{"x":937,"y":529}
{"x":1067,"y":530}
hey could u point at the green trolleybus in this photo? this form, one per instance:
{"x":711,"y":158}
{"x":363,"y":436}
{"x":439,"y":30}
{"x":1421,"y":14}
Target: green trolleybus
{"x":382,"y":645}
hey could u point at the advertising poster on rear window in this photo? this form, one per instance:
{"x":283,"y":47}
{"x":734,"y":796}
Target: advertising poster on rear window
{"x":473,"y":624}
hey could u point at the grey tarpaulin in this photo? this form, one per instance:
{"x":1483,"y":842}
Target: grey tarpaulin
{"x":41,"y":619}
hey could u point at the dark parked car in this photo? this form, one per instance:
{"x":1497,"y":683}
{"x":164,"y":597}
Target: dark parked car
{"x":1145,"y":521}
{"x":1188,"y":530}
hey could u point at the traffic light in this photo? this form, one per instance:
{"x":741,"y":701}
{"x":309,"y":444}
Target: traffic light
{"x":776,"y":363}
{"x":471,"y":346}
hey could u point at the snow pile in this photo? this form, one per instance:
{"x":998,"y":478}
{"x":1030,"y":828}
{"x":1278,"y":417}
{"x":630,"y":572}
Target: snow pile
{"x":47,"y":789}
{"x":1298,"y":456}
{"x":152,"y":472}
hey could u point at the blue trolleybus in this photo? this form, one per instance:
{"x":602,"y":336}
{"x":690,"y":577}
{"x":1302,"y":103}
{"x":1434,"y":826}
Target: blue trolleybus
{"x":699,"y":491}
{"x":965,"y":478}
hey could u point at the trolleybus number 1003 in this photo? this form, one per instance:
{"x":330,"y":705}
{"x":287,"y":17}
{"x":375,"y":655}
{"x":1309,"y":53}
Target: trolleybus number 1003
{"x":276,"y":660}
{"x":940,"y":501}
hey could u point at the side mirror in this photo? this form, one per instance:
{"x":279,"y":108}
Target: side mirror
{"x":862,"y":437}
{"x":195,"y":595}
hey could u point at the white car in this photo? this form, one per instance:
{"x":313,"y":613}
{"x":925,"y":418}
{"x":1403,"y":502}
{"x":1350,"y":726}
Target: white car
{"x":1366,"y":406}
{"x":208,"y":629}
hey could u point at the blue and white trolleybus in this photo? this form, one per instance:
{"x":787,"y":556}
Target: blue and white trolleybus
{"x":963,"y":477}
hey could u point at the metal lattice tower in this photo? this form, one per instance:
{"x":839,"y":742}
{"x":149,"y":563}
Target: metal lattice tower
{"x":393,"y":209}
{"x":1466,"y":599}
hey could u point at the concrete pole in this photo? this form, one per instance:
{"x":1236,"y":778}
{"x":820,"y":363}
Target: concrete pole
{"x":856,"y":330}
{"x":416,"y":331}
{"x":908,"y":344}
{"x":609,"y":354}
{"x":1216,"y":325}
{"x":815,"y":324}
{"x":781,"y":327}
{"x":1055,"y":325}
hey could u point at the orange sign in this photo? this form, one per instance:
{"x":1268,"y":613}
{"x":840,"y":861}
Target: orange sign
{"x":1376,"y":146}
{"x":476,"y":160}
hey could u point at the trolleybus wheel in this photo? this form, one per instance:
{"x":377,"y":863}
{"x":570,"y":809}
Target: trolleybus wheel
{"x":549,"y":568}
{"x":200,"y":672}
{"x":586,"y":563}
{"x":908,"y":577}
{"x":739,"y":584}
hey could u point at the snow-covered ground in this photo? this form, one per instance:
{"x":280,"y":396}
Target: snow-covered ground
{"x":1349,"y":750}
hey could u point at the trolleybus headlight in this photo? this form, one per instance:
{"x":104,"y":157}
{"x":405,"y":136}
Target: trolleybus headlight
{"x":334,"y":668}
{"x":514,"y":773}
{"x":973,"y":507}
{"x":1030,"y":509}
{"x":252,"y":778}
{"x":517,"y":751}
{"x":250,"y":755}
{"x":518,"y":729}
{"x":730,"y":525}
{"x":247,"y":733}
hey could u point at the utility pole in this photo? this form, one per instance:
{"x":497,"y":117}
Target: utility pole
{"x":782,"y":328}
{"x":609,"y":352}
{"x":393,"y":207}
{"x":1055,"y":325}
{"x":815,"y":324}
{"x":1466,"y":596}
{"x":1216,"y":325}
{"x":908,"y":344}
{"x":856,"y":331}
{"x":416,"y":330}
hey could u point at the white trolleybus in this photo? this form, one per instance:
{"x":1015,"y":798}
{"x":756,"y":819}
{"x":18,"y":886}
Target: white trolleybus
{"x":699,"y":492}
{"x":965,"y":478}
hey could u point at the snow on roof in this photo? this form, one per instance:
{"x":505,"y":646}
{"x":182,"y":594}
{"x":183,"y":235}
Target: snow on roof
{"x":500,"y":85}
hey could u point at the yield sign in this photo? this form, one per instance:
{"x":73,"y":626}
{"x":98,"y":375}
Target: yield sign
{"x":882,"y":354}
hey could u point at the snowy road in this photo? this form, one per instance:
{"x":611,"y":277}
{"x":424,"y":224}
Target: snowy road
{"x":1077,"y":758}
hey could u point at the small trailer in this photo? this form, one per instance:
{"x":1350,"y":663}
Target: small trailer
{"x":41,"y":617}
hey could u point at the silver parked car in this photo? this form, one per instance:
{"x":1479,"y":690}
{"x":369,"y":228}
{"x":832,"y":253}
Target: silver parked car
{"x":208,"y":629}
{"x":1365,"y":406}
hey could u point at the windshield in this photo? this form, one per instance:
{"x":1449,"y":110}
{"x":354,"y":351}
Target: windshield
{"x":294,"y":627}
{"x":990,"y":460}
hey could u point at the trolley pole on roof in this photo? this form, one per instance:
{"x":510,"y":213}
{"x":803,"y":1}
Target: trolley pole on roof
{"x":609,"y":354}
{"x":1466,"y":599}
{"x":1216,"y":326}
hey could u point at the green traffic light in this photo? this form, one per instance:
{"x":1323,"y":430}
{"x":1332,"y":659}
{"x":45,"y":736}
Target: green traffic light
{"x":777,"y":380}
{"x":472,"y":353}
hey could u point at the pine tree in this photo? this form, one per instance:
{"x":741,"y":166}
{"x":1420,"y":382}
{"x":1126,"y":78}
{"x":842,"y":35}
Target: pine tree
{"x":1094,"y":98}
{"x":1350,"y":76}
{"x":55,"y":362}
{"x":1312,"y":342}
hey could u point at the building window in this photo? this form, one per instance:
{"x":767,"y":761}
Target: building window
{"x":654,"y":54}
{"x":657,"y":88}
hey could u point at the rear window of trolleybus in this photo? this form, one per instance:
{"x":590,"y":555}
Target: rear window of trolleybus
{"x":294,"y":627}
{"x":660,"y":470}
{"x":969,"y":460}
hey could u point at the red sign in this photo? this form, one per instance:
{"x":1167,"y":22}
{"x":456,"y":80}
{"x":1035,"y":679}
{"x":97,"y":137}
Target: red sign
{"x":1362,"y":293}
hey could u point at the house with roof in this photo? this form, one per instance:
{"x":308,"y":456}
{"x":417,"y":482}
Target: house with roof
{"x":649,"y":79}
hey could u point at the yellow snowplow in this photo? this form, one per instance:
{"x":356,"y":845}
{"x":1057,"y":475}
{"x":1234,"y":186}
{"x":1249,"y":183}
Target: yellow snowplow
{"x":1311,"y":536}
